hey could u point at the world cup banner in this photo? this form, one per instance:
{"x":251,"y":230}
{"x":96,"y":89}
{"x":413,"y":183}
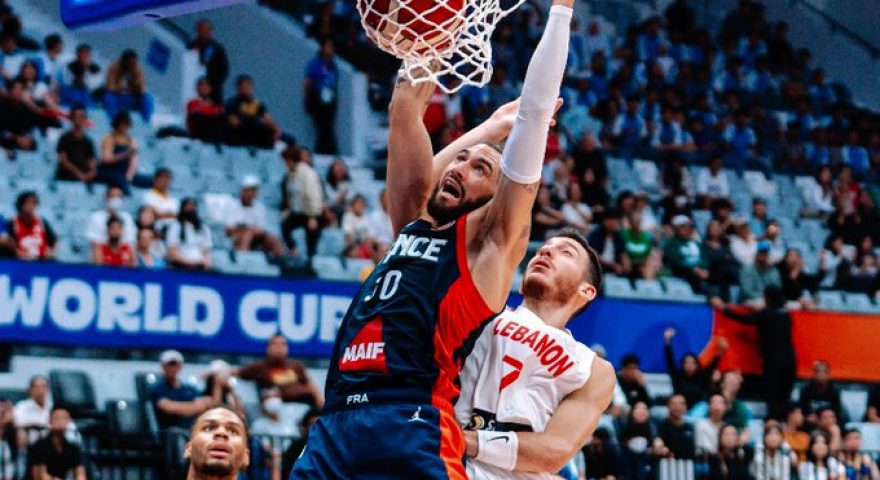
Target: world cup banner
{"x":111,"y":307}
{"x":87,"y":306}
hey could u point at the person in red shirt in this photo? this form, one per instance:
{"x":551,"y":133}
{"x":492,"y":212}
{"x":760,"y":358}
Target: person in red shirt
{"x":204,"y":116}
{"x":276,"y":370}
{"x":115,"y":252}
{"x":31,"y":235}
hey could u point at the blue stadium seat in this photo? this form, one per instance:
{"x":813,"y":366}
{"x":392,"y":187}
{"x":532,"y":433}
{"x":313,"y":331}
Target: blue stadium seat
{"x":854,"y":403}
{"x":328,"y":267}
{"x":680,"y":290}
{"x":870,"y":435}
{"x":615,"y":286}
{"x":649,"y":289}
{"x":860,"y":302}
{"x":756,"y":430}
{"x":332,"y":242}
{"x":832,"y":300}
{"x":648,"y":175}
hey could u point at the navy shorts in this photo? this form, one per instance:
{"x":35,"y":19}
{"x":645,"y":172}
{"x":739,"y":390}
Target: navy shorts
{"x":383,"y":442}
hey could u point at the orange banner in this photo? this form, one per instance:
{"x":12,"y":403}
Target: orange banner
{"x":847,"y":341}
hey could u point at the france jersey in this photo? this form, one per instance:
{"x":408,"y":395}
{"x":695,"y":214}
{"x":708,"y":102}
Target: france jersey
{"x":394,"y":374}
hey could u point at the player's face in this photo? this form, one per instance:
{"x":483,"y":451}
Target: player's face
{"x":218,"y":446}
{"x":467,"y":184}
{"x":557,"y":272}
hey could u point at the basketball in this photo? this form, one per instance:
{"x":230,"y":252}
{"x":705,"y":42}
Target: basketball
{"x":414,"y":26}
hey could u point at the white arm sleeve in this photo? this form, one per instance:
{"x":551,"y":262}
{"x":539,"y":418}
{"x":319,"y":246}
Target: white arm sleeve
{"x":524,"y":152}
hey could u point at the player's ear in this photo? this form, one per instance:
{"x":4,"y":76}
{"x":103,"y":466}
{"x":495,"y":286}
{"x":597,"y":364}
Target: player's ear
{"x":187,"y":450}
{"x":587,"y":291}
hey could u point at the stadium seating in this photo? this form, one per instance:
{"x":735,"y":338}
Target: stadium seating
{"x":74,"y":391}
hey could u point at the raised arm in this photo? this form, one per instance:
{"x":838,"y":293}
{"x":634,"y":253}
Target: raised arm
{"x":503,"y":231}
{"x":410,"y":157}
{"x":571,"y":425}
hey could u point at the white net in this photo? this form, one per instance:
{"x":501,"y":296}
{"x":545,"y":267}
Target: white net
{"x":446,"y":42}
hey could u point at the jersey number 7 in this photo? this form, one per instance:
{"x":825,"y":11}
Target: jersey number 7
{"x":512,"y":376}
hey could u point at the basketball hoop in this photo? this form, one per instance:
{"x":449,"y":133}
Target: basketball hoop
{"x":437,"y":39}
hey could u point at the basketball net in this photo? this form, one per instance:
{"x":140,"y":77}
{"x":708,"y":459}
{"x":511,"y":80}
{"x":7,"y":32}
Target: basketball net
{"x":458,"y":49}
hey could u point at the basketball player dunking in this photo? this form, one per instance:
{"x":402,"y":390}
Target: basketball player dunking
{"x":531,"y":394}
{"x":393,"y":379}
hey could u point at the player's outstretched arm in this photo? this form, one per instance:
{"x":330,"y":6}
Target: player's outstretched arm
{"x":410,"y":157}
{"x":571,"y":425}
{"x":504,"y":230}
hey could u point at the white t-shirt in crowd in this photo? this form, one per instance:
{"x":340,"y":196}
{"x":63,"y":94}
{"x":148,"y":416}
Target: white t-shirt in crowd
{"x":706,"y":436}
{"x":380,"y":227}
{"x":96,"y":229}
{"x":251,"y":216}
{"x":574,"y":214}
{"x":27,"y":413}
{"x":713,"y":185}
{"x":743,"y":250}
{"x":194,"y":246}
{"x":356,"y":226}
{"x":163,"y":204}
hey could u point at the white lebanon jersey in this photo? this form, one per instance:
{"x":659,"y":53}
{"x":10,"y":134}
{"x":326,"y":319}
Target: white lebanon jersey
{"x":518,"y":373}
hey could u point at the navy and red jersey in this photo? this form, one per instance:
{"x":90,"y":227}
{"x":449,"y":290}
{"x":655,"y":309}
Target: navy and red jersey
{"x":408,"y":330}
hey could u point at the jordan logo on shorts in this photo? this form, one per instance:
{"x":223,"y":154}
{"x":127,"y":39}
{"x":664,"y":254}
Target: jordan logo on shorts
{"x":416,"y":417}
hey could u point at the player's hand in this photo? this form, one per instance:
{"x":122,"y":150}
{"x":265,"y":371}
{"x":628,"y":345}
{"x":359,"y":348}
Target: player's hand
{"x":718,"y":303}
{"x":668,"y":334}
{"x":501,"y":122}
{"x":411,"y":95}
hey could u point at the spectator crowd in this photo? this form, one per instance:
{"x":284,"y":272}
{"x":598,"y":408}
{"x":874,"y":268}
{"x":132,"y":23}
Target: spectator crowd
{"x":704,"y":108}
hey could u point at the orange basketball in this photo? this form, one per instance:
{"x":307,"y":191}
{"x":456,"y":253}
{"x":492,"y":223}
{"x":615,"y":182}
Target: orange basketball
{"x":413,"y":26}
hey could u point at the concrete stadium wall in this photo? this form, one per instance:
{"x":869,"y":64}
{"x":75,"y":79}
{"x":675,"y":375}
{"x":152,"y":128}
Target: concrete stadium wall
{"x":275,"y":52}
{"x":167,"y":84}
{"x":270,"y":47}
{"x":844,"y":60}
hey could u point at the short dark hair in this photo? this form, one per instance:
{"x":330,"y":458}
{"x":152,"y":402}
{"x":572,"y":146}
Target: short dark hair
{"x":161,"y":171}
{"x":52,"y":40}
{"x":850,"y":431}
{"x":791,"y":407}
{"x":630,"y":359}
{"x":23,"y":197}
{"x":120,"y":118}
{"x":243,"y":78}
{"x":76,"y":107}
{"x":58,"y":408}
{"x":83,"y":47}
{"x":291,"y":153}
{"x":823,"y":409}
{"x":113,"y":219}
{"x":222,"y":407}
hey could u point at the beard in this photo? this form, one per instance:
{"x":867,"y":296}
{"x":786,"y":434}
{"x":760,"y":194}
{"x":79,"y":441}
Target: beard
{"x":558,"y":293}
{"x":209,"y":469}
{"x":443,"y":214}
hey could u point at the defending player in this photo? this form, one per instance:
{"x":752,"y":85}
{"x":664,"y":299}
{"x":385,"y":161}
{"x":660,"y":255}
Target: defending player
{"x":531,"y":394}
{"x":394,"y":373}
